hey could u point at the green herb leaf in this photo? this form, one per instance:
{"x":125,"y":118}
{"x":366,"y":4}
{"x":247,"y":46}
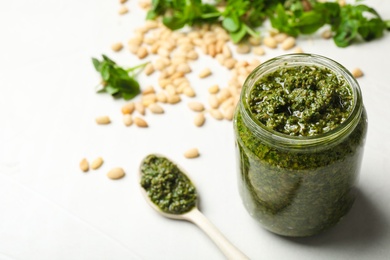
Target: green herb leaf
{"x":231,"y":24}
{"x":358,"y":22}
{"x":238,"y":35}
{"x":241,"y":18}
{"x":117,"y":81}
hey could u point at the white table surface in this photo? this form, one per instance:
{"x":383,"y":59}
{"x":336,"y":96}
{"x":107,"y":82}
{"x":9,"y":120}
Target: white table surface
{"x":49,"y":209}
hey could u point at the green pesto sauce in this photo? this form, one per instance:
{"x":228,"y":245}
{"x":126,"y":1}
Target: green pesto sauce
{"x":301,"y":100}
{"x":296,"y":193}
{"x":167,"y":186}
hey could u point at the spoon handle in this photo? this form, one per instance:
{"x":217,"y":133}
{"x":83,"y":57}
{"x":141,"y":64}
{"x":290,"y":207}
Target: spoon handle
{"x":227,"y":248}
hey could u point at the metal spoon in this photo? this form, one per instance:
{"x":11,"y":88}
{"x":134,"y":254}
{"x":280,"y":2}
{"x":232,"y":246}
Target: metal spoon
{"x":196,"y":217}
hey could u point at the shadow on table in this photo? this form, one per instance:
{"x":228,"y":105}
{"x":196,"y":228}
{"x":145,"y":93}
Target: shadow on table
{"x":362,"y":226}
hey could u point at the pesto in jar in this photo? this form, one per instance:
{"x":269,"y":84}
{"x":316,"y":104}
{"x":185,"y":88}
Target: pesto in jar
{"x":300,"y":129}
{"x":167,"y":186}
{"x":301,"y":100}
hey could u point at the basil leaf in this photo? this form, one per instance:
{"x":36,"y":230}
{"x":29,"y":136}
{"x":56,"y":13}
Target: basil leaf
{"x":238,"y":35}
{"x":116,"y":80}
{"x":231,"y":24}
{"x":294,"y":17}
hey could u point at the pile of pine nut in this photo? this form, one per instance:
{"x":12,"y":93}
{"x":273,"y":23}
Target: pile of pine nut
{"x":172,"y":53}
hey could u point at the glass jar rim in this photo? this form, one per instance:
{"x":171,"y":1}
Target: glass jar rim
{"x":273,"y":137}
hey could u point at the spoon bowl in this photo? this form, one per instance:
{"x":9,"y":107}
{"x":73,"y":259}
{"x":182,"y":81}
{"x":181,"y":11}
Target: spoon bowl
{"x":153,"y":205}
{"x":195,"y":216}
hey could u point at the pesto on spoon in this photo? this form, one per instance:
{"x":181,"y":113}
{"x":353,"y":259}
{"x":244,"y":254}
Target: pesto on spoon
{"x":169,"y":190}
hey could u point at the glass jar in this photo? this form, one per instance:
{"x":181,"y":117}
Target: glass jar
{"x":298,"y":185}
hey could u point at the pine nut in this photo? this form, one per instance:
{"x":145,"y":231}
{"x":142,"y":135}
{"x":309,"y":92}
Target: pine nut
{"x":140,"y":108}
{"x":227,"y":103}
{"x":191,"y":153}
{"x":173,"y":99}
{"x":204,"y":49}
{"x":198,"y":42}
{"x":161,"y":97}
{"x":184,"y":67}
{"x":178,"y":59}
{"x":213,"y":101}
{"x":254,"y":41}
{"x":193,"y":35}
{"x":154,"y":48}
{"x":192,"y":55}
{"x":149,"y":69}
{"x":151,"y":24}
{"x":133,"y":48}
{"x":163,"y":52}
{"x":145,"y":4}
{"x":280,"y":37}
{"x":148,"y":90}
{"x":177,"y":75}
{"x":357,"y":73}
{"x":199,"y":120}
{"x":218,"y":46}
{"x":127,"y":120}
{"x":128,"y":108}
{"x":273,"y":32}
{"x":159,"y":65}
{"x":142,"y":53}
{"x":136,"y":41}
{"x":103,"y":120}
{"x":211,"y":50}
{"x":149,"y":40}
{"x":216,"y":114}
{"x":123,"y":10}
{"x":84,"y":165}
{"x":259,"y":51}
{"x":220,"y":58}
{"x":140,"y":122}
{"x":327,"y":34}
{"x":164,"y":83}
{"x":288,"y":43}
{"x":205,"y":73}
{"x":230,"y":63}
{"x":181,"y":82}
{"x":270,"y":42}
{"x":226,"y":51}
{"x":97,"y":163}
{"x":298,"y":50}
{"x":156,"y":109}
{"x":117,"y":46}
{"x":223,"y":95}
{"x":196,"y":106}
{"x":148,"y":99}
{"x":229,"y":113}
{"x":116,"y":173}
{"x":185,"y":46}
{"x":141,"y":30}
{"x":180,"y":89}
{"x":242,"y":63}
{"x":243,"y":48}
{"x":189,"y":92}
{"x":213,"y":89}
{"x":170,"y":89}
